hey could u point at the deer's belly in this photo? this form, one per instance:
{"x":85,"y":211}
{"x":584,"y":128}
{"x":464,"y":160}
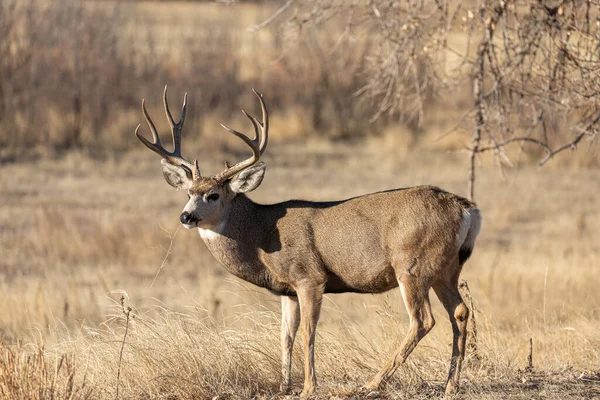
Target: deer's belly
{"x":361,"y":279}
{"x":357,"y":261}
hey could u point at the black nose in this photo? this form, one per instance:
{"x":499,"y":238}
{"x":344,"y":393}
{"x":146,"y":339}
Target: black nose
{"x":185,"y":217}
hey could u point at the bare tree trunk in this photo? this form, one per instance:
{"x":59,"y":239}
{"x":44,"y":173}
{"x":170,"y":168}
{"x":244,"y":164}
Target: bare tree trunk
{"x":479,"y":114}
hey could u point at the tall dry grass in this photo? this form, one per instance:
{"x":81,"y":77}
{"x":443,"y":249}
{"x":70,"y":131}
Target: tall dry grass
{"x":188,"y":355}
{"x":78,"y":234}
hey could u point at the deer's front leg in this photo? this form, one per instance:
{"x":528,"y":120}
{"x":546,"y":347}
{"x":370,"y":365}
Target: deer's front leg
{"x":310,"y":299}
{"x":290,"y":320}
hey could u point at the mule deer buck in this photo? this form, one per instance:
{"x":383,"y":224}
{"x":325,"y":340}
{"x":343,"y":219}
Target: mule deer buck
{"x":414,"y":238}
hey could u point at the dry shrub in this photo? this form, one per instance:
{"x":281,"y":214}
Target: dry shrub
{"x":75,"y":72}
{"x":27,"y":374}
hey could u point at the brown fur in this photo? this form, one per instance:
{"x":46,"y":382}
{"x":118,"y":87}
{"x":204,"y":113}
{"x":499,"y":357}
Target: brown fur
{"x":202,"y":185}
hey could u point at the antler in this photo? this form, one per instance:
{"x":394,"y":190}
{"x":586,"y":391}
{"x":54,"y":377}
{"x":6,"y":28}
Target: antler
{"x":175,"y":156}
{"x":258,"y":144}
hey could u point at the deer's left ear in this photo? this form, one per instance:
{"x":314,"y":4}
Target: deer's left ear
{"x":177,"y":176}
{"x":249,"y":179}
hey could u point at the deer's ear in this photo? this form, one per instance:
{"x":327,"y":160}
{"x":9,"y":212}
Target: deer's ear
{"x":178,"y":177}
{"x":249,"y":179}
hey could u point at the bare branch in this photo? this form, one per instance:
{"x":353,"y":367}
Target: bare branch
{"x":550,"y":153}
{"x":573,"y":144}
{"x":257,"y":27}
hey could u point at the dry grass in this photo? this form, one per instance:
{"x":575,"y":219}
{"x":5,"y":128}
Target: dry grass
{"x":77,"y":234}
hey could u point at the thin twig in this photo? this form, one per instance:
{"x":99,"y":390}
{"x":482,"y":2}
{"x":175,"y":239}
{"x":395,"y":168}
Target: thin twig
{"x":473,"y":342}
{"x":530,"y":357}
{"x":127,"y":313}
{"x":572,"y":145}
{"x":168,"y":252}
{"x":512,"y":140}
{"x":256,"y":27}
{"x":545,"y":291}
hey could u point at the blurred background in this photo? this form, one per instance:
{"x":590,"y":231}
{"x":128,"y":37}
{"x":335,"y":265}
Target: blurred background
{"x":74,"y":73}
{"x":471,"y":96}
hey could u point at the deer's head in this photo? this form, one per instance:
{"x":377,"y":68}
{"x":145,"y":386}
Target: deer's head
{"x":209,"y":196}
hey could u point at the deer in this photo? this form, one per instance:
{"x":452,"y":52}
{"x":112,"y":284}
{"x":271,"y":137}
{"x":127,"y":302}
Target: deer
{"x":415,"y":238}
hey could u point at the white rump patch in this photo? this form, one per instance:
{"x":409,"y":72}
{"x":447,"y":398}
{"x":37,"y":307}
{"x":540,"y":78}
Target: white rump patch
{"x":469,"y":228}
{"x":465,"y":226}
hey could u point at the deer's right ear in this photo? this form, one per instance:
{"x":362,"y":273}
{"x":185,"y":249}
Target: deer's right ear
{"x":249,"y":179}
{"x":177,"y":176}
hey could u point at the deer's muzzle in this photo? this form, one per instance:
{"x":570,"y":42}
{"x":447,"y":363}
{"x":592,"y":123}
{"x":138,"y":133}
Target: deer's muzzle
{"x":188,"y":219}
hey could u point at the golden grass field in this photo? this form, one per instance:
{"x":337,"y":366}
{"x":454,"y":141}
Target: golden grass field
{"x":78,"y":233}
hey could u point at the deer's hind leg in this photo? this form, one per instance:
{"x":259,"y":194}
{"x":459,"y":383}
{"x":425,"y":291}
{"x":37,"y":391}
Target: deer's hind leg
{"x":416,"y":300}
{"x":447,"y":292}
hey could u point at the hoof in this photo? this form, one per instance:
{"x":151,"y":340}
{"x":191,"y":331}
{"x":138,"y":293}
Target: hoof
{"x":285,"y":389}
{"x":451,"y":390}
{"x":365,"y":392}
{"x":371,"y":386}
{"x":306,"y":393}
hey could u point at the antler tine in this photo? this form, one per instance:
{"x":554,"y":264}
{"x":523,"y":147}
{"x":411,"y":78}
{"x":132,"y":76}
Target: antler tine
{"x":175,"y":156}
{"x":155,"y":136}
{"x":156,"y":145}
{"x":265,"y":122}
{"x":253,"y":143}
{"x":196,"y":171}
{"x":175,"y":127}
{"x":167,"y":111}
{"x":256,"y":123}
{"x":258,"y":144}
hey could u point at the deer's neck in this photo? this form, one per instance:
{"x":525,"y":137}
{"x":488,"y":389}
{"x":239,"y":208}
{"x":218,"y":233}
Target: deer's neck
{"x":235,"y":241}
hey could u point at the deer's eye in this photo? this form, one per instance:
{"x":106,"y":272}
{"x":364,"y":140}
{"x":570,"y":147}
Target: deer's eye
{"x":213,"y":196}
{"x":189,"y":197}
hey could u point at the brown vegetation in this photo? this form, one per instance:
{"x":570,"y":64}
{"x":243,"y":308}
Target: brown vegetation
{"x":75,"y":240}
{"x":78,"y":231}
{"x":81,"y":85}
